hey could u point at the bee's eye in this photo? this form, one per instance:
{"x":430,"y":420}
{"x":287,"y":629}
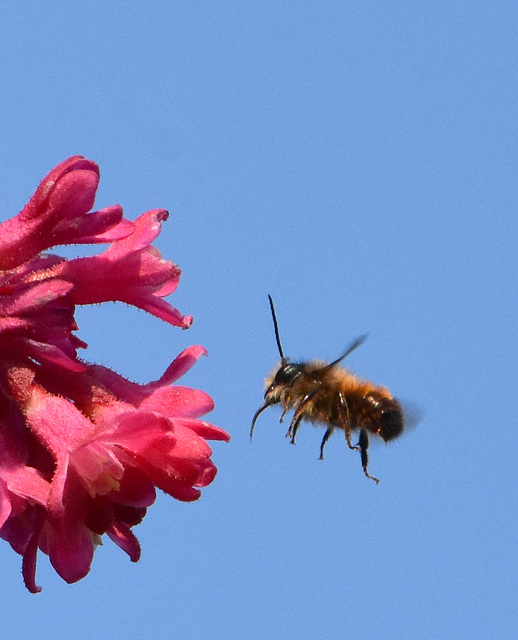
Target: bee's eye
{"x":288,"y":374}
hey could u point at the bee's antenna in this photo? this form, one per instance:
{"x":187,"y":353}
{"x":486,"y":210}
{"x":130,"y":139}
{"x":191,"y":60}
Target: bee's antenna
{"x":354,"y":344}
{"x":276,"y":327}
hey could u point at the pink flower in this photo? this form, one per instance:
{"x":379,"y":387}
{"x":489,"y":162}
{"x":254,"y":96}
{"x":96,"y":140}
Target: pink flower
{"x":82,"y":449}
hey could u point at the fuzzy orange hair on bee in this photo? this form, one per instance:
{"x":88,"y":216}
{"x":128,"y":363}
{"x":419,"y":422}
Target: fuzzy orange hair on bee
{"x":328,"y":394}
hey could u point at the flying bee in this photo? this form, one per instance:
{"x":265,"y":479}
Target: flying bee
{"x":326,"y":393}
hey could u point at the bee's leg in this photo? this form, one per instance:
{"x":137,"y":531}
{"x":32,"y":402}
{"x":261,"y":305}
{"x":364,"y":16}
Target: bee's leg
{"x":326,"y":437}
{"x":284,"y":412}
{"x":343,"y":410}
{"x":294,"y":427}
{"x":364,"y":445}
{"x":298,"y":415}
{"x":352,"y":446}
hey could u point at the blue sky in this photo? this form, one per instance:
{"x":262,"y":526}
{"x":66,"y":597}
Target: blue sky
{"x":358,"y":161}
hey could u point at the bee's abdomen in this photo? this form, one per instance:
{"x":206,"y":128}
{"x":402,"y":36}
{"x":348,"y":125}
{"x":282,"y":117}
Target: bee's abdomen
{"x":392,"y":422}
{"x":379,"y":414}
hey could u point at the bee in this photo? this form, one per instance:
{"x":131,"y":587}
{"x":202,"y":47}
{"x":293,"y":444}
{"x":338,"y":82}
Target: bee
{"x":328,"y":394}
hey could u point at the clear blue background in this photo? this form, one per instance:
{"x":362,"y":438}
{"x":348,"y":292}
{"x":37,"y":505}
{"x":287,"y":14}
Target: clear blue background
{"x":358,"y":161}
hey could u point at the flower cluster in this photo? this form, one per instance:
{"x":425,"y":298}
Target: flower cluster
{"x":82,"y":449}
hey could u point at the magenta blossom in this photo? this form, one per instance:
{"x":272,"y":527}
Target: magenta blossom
{"x":82,"y":449}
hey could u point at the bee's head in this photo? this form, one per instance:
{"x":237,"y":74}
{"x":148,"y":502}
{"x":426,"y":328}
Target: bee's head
{"x":283,"y":378}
